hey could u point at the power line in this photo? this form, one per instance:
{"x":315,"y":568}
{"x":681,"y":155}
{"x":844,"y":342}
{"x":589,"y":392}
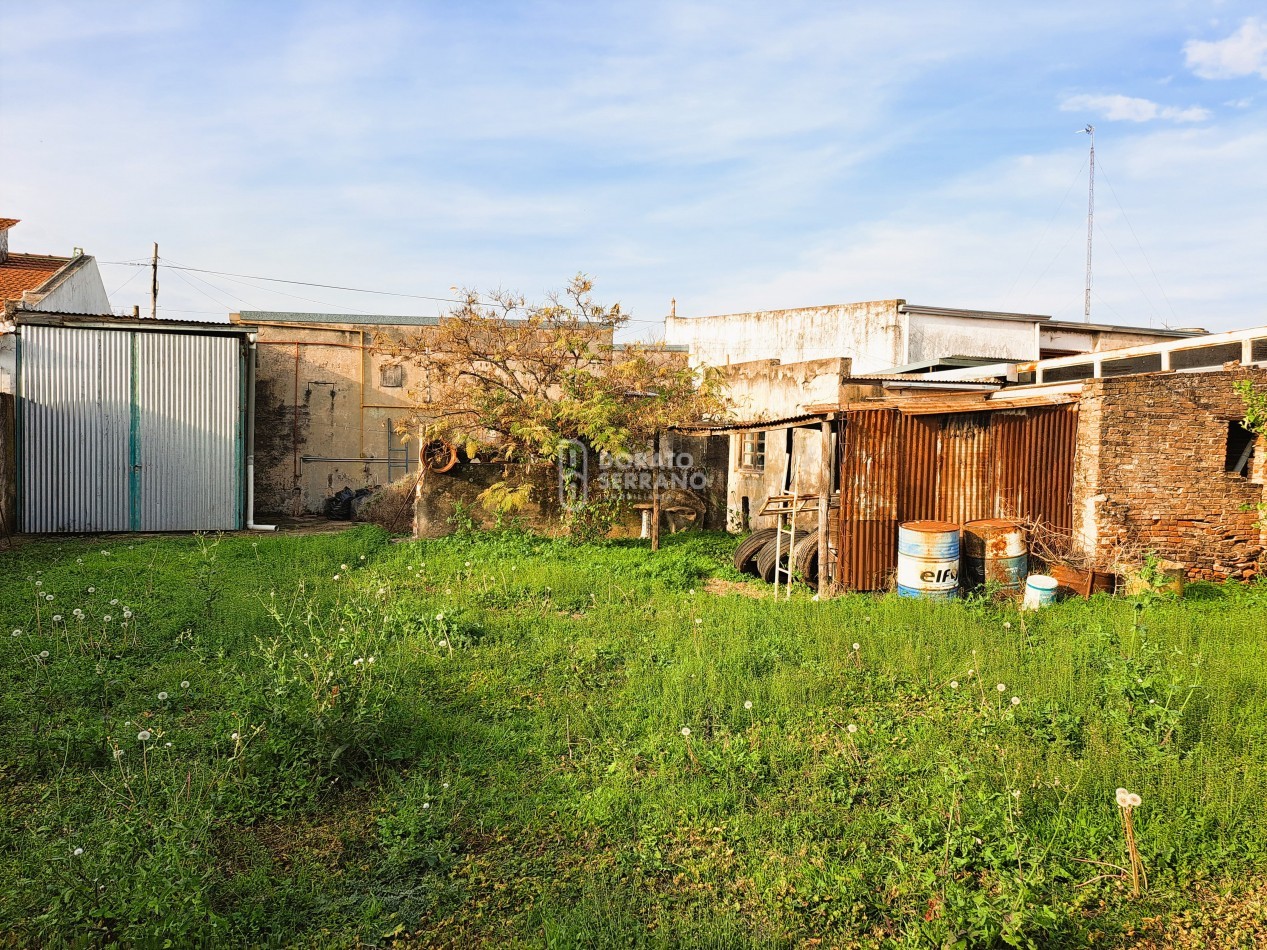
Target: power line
{"x":1127,"y":219}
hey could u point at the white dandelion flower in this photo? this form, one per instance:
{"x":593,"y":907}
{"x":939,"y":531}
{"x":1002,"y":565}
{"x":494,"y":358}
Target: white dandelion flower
{"x":184,"y":684}
{"x":127,"y":614}
{"x":343,"y":567}
{"x":107,"y":618}
{"x":970,"y":672}
{"x":1016,"y":700}
{"x":144,"y":735}
{"x":954,"y":684}
{"x":686,"y":732}
{"x":236,"y":737}
{"x":92,"y":590}
{"x":362,"y":557}
{"x":77,"y":852}
{"x":1123,"y":797}
{"x":1016,"y":793}
{"x":698,"y":621}
{"x":48,"y":596}
{"x":114,"y":601}
{"x":468,"y":563}
{"x":1133,"y":800}
{"x":747,"y":704}
{"x":39,"y":583}
{"x":1007,"y":625}
{"x":43,"y":654}
{"x":857,"y":647}
{"x":851,"y":728}
{"x":16,"y":633}
{"x":57,"y":618}
{"x":167,"y":744}
{"x":442,"y":644}
{"x":336,"y":577}
{"x":1002,"y":688}
{"x":426,"y":805}
{"x":162,"y":696}
{"x":382,"y":591}
{"x":439,"y":618}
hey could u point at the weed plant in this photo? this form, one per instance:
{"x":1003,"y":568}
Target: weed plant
{"x":506,"y":739}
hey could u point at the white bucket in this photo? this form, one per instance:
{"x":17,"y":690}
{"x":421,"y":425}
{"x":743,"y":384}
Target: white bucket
{"x":1040,"y":590}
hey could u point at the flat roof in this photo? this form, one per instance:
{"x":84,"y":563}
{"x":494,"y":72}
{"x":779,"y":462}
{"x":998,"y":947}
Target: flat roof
{"x":346,"y":319}
{"x":105,"y":321}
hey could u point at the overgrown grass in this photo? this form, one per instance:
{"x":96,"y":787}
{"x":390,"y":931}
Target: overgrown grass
{"x":484,"y":740}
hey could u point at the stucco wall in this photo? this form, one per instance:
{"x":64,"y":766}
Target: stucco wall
{"x":1056,"y":336}
{"x":933,"y":337}
{"x":869,"y":333}
{"x":769,"y":389}
{"x":329,"y":402}
{"x":800,"y":469}
{"x":79,"y":291}
{"x":1149,"y":473}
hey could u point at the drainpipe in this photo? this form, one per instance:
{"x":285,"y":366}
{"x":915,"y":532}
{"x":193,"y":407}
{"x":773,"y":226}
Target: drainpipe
{"x":250,"y":443}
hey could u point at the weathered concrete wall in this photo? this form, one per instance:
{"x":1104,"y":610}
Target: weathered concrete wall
{"x":319,"y":392}
{"x":1070,"y":337}
{"x":931,"y":337}
{"x":1149,"y":473}
{"x":785,"y":471}
{"x":869,"y":333}
{"x":770,"y":389}
{"x":8,"y":466}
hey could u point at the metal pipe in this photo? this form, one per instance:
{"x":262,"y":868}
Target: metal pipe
{"x":250,"y":443}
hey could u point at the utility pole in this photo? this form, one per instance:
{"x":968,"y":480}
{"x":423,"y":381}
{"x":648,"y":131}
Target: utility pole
{"x":154,"y":284}
{"x":1086,"y":304}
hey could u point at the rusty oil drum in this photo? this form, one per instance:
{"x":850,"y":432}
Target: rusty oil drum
{"x":928,"y":560}
{"x":995,"y":552}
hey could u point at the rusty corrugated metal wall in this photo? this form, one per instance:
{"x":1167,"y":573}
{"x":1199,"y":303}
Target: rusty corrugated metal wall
{"x":950,"y":467}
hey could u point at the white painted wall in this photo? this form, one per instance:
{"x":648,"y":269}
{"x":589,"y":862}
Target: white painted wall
{"x":934,"y":336}
{"x":1054,"y":336}
{"x":80,"y":291}
{"x":869,"y":333}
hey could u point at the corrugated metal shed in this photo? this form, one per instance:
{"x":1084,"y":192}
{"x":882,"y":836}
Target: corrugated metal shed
{"x":954,"y":466}
{"x":130,"y":428}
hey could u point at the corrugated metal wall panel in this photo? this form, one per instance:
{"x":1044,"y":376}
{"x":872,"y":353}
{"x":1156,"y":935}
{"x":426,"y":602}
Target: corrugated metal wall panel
{"x":129,"y":430}
{"x":952,"y":467}
{"x":870,"y":460}
{"x":964,"y":482}
{"x":74,"y":419}
{"x":188,"y":399}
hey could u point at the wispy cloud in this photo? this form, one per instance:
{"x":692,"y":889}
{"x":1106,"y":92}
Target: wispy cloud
{"x":1244,"y":53}
{"x":1132,"y":109}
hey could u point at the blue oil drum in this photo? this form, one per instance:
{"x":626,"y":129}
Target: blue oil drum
{"x":928,"y":560}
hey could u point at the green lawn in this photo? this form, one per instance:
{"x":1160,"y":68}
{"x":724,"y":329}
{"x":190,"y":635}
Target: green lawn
{"x":484,"y":740}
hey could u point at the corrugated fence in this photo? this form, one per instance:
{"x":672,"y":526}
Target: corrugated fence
{"x":125,"y":430}
{"x":950,"y":467}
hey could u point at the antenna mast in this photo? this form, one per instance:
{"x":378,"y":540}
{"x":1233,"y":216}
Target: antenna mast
{"x":1086,"y":304}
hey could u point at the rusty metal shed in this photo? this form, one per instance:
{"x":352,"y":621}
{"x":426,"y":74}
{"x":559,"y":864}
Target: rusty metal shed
{"x":947,"y":460}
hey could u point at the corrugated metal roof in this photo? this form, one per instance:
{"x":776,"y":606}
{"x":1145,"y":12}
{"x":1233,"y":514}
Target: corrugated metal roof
{"x":334,"y":319}
{"x":780,"y":423}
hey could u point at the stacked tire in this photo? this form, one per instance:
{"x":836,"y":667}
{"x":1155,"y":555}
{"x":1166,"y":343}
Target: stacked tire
{"x":756,"y":556}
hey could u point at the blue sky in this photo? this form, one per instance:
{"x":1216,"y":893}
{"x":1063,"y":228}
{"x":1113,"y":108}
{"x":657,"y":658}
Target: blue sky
{"x":736,"y":156}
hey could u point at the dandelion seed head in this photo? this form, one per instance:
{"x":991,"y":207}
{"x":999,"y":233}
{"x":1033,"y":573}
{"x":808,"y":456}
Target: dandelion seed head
{"x":857,"y":647}
{"x":1016,"y":700}
{"x":1123,"y":797}
{"x":43,"y":654}
{"x":426,"y":805}
{"x":362,"y":557}
{"x":107,"y":618}
{"x":1133,"y":800}
{"x":814,"y":598}
{"x":954,"y":684}
{"x":77,"y":852}
{"x":443,"y":643}
{"x":57,"y":618}
{"x":343,"y":567}
{"x":127,"y":614}
{"x":851,"y":728}
{"x":1016,"y":793}
{"x":1002,"y":687}
{"x":118,"y":753}
{"x":445,"y":785}
{"x":77,"y":612}
{"x":144,"y":735}
{"x":236,"y":737}
{"x":970,"y":672}
{"x":336,"y":577}
{"x":747,"y":704}
{"x":686,"y":732}
{"x":1007,"y":625}
{"x":114,"y":601}
{"x":162,"y":696}
{"x":16,"y":633}
{"x":168,"y":744}
{"x":698,"y":621}
{"x":468,"y":563}
{"x":48,"y":596}
{"x":184,"y":684}
{"x":382,"y":591}
{"x":92,"y":590}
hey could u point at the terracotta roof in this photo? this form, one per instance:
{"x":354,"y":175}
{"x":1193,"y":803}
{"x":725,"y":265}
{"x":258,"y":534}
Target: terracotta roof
{"x":19,"y":272}
{"x":6,"y":223}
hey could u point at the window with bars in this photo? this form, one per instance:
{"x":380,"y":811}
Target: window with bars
{"x":752,"y":451}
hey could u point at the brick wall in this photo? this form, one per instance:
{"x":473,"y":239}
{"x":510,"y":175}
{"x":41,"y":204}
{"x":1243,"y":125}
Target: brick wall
{"x":1149,"y":473}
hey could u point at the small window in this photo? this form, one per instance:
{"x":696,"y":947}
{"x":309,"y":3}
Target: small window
{"x":1202,"y":356}
{"x":1068,"y":374}
{"x":752,"y":452}
{"x":1148,"y":363}
{"x":1258,"y":351}
{"x":391,"y":376}
{"x":1240,"y":449}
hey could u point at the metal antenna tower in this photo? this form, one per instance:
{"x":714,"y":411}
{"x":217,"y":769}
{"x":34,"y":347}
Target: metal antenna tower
{"x":1086,"y":303}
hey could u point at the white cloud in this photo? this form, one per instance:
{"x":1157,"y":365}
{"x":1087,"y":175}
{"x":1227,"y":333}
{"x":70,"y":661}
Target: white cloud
{"x":1132,"y":109}
{"x":1244,"y":53}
